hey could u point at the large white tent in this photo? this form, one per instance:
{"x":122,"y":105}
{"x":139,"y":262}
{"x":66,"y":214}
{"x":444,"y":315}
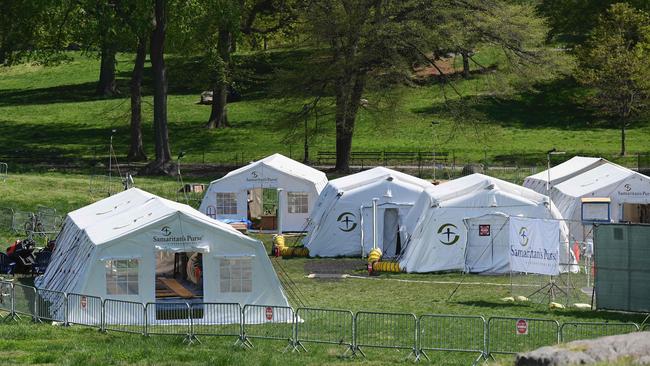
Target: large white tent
{"x":116,"y":249}
{"x":273,"y":185}
{"x":463,"y":225}
{"x":342,"y":221}
{"x":606,"y":193}
{"x":561,"y":172}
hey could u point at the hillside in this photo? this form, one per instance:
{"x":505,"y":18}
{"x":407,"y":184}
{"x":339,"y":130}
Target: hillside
{"x":50,"y":114}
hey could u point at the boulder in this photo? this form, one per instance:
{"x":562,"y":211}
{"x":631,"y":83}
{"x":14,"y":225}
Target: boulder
{"x":634,"y":347}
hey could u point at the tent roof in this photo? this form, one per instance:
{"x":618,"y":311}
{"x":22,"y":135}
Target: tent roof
{"x":131,"y":210}
{"x":594,"y":179}
{"x":283,"y":164}
{"x":373,"y":175}
{"x":571,"y":167}
{"x":476,"y":183}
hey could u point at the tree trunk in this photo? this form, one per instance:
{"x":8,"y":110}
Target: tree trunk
{"x":466,"y":69}
{"x":623,"y":138}
{"x":107,"y":85}
{"x":136,"y":150}
{"x":219,"y":113}
{"x":347,"y":105}
{"x":161,"y":134}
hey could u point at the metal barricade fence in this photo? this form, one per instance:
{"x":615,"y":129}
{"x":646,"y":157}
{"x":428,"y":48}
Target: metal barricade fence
{"x":85,"y":310}
{"x":22,"y":221}
{"x":513,"y":335}
{"x":6,"y":218}
{"x":168,"y":318}
{"x":123,"y":316}
{"x":458,"y":333}
{"x":573,"y":331}
{"x":24,"y":300}
{"x":51,"y":305}
{"x":324,"y":326}
{"x":267,"y":322}
{"x":385,"y":330}
{"x":216,"y":319}
{"x":7,"y":297}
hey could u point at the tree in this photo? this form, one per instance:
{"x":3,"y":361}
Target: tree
{"x":160,"y":127}
{"x":136,"y":15}
{"x":614,"y":62}
{"x":377,"y":41}
{"x":572,"y":21}
{"x":224,"y":21}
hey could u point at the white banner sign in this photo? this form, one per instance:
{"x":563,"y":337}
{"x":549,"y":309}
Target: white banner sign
{"x":534,"y":246}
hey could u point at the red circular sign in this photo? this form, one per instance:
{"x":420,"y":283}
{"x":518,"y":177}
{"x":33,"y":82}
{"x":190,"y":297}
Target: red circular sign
{"x":522,"y":326}
{"x":269,"y":313}
{"x":83,"y":302}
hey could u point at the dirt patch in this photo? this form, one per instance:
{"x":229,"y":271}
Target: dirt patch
{"x":334,"y":266}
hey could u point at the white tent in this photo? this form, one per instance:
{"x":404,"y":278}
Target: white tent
{"x":342,"y":221}
{"x":561,"y":172}
{"x":276,"y":187}
{"x":462,"y":225}
{"x":124,"y":247}
{"x":608,"y":192}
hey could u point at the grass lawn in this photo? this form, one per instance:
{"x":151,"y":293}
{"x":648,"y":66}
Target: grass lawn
{"x":25,"y":343}
{"x":51,"y":114}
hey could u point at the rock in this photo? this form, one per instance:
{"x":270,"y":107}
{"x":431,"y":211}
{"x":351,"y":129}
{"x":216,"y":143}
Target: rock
{"x":471,"y":169}
{"x":206,"y":97}
{"x":632,"y":346}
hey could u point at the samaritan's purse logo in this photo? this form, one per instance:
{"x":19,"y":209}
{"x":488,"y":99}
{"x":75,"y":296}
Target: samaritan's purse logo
{"x":447,"y":234}
{"x":523,"y":236}
{"x":166,"y":231}
{"x":168,"y":237}
{"x":347,"y":221}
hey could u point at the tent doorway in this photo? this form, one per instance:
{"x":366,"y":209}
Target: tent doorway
{"x":263,"y":208}
{"x":179,"y":275}
{"x":487,"y":244}
{"x":636,"y":213}
{"x":391,"y":238}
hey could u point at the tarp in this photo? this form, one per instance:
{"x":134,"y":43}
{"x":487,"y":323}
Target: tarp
{"x":462,"y":225}
{"x":534,"y":246}
{"x":273,"y":172}
{"x":342,"y":221}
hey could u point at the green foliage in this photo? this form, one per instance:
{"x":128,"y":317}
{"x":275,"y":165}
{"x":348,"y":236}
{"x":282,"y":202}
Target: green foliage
{"x":614,"y":61}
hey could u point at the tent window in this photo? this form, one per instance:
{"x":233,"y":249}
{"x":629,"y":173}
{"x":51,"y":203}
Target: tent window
{"x":236,"y":275}
{"x":226,"y":203}
{"x":122,"y":277}
{"x":298,"y":202}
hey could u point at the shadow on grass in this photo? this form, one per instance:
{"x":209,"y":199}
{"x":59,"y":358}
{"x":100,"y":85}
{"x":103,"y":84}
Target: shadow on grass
{"x":557,"y":104}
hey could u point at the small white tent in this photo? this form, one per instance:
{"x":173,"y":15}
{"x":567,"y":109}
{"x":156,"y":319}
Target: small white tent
{"x":135,"y":246}
{"x":279,"y":190}
{"x":462,"y":225}
{"x":342,"y":221}
{"x":561,"y":172}
{"x":606,"y":193}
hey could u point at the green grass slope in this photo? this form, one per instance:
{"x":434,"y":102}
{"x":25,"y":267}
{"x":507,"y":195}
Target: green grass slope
{"x":51,"y":114}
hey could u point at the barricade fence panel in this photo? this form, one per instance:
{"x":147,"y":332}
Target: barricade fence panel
{"x":123,"y":316}
{"x":385,"y":330}
{"x":216,"y":319}
{"x":84,"y":310}
{"x":573,"y":331}
{"x":451,"y":333}
{"x":268,"y":322}
{"x":6,"y":218}
{"x":50,"y":305}
{"x":168,"y":318}
{"x":24,"y":300}
{"x":512,"y":335}
{"x":6,"y":296}
{"x":324,"y":326}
